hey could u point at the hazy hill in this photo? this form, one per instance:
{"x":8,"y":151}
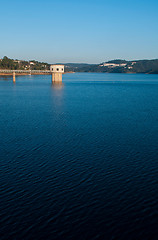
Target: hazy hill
{"x":117,"y":66}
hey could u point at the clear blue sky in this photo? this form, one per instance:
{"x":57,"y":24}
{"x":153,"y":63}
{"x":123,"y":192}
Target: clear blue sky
{"x":79,"y":31}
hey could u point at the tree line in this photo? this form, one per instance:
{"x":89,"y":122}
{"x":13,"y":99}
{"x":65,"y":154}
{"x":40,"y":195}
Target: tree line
{"x":11,"y":64}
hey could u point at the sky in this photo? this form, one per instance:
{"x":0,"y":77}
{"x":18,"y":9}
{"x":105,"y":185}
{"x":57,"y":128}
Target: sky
{"x":79,"y":31}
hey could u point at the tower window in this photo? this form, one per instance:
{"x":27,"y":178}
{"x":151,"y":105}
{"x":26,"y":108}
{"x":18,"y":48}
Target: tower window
{"x":57,"y":69}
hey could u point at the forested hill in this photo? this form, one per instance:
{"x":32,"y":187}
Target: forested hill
{"x":118,"y":66}
{"x":113,"y":66}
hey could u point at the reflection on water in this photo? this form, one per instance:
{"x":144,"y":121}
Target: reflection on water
{"x":57,"y":90}
{"x":57,"y":85}
{"x":6,"y":78}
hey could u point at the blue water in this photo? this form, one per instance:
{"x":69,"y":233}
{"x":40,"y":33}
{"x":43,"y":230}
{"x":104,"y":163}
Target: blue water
{"x":79,"y":160}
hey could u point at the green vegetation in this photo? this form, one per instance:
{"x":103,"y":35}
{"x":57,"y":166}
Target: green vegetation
{"x":117,"y":66}
{"x":7,"y":63}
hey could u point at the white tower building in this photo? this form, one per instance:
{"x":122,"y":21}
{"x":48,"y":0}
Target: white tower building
{"x":57,"y":71}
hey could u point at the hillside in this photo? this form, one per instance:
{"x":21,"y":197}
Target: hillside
{"x":7,"y":63}
{"x":118,"y":66}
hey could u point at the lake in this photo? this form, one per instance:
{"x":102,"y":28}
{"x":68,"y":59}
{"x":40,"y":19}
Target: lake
{"x":79,"y":160}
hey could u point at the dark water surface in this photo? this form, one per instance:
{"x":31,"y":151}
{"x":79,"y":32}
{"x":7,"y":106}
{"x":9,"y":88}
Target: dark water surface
{"x":79,"y":161}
